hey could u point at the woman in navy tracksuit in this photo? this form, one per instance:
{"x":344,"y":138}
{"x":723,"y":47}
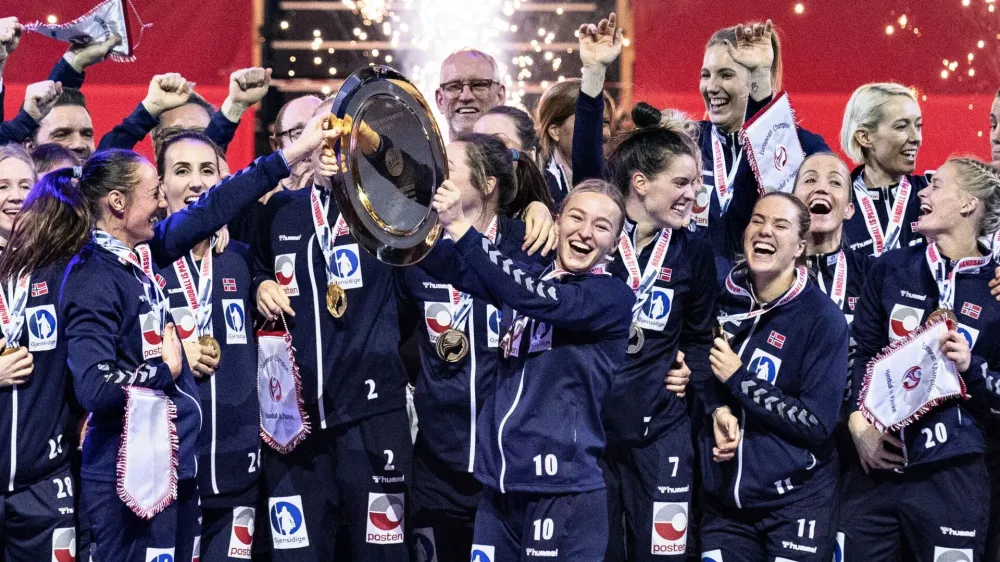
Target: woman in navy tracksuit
{"x":736,"y":84}
{"x":927,"y":484}
{"x":449,"y":394}
{"x":882,"y":134}
{"x":209,"y":294}
{"x":771,"y":492}
{"x":115,"y":340}
{"x":648,"y":465}
{"x":36,"y":416}
{"x":539,"y":434}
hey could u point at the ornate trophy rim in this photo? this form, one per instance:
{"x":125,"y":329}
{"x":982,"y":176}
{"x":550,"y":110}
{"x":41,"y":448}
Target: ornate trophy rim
{"x":388,"y":243}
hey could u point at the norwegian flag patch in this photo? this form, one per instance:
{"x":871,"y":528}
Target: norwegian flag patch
{"x":972,"y":310}
{"x":39,"y":289}
{"x":665,"y":274}
{"x":776,"y":339}
{"x":852,"y":302}
{"x":913,"y":226}
{"x":161,"y":281}
{"x":229,"y":284}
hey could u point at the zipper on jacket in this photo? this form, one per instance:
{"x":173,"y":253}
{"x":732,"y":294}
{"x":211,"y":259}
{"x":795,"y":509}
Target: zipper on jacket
{"x":13,"y":439}
{"x":743,"y":423}
{"x":472,"y":387}
{"x":215,"y":430}
{"x":503,"y":422}
{"x":319,"y":336}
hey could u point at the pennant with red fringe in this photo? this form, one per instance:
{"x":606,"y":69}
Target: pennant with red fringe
{"x":96,"y":26}
{"x":772,"y":146}
{"x":908,"y":379}
{"x":147,"y":455}
{"x":284,"y":422}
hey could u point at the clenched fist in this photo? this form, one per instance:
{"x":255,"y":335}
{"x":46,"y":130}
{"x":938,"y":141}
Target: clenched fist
{"x":40,"y":98}
{"x":167,"y":91}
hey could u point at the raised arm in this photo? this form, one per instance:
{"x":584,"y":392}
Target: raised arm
{"x":246,"y":87}
{"x":600,"y":45}
{"x":166,"y":92}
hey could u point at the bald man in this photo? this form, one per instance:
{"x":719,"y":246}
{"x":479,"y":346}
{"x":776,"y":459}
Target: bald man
{"x":470,"y":86}
{"x":287,"y":127}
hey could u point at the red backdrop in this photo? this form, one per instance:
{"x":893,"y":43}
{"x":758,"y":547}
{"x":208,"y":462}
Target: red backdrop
{"x":829,"y":50}
{"x":832,"y":48}
{"x":203,"y":40}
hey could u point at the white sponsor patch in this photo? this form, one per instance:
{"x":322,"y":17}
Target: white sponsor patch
{"x":284,"y":274}
{"x":656,"y":310}
{"x":241,"y":534}
{"x":493,"y":317}
{"x":712,"y":556}
{"x":541,"y":337}
{"x":159,"y":555}
{"x":236,"y":321}
{"x":152,"y":341}
{"x":765,"y":365}
{"x":288,"y":522}
{"x":385,"y":518}
{"x":346,"y":266}
{"x":944,"y":554}
{"x":670,"y":528}
{"x":482,"y":553}
{"x":64,"y":545}
{"x":43,"y":330}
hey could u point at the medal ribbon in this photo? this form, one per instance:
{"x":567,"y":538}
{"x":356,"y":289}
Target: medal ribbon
{"x":801,"y":278}
{"x":946,"y":281}
{"x":325,"y":236}
{"x":12,"y":314}
{"x":142,"y":267}
{"x":461,"y":303}
{"x":519,"y":322}
{"x":890,"y":239}
{"x":642,"y":285}
{"x":839,"y":288}
{"x":200,"y":302}
{"x":723,"y":180}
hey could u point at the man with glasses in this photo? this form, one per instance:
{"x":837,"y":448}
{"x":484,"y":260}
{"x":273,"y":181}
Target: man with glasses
{"x":288,"y":125}
{"x":470,"y":86}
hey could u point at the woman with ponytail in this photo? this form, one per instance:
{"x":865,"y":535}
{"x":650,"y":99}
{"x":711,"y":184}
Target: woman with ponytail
{"x":124,"y":353}
{"x":459,"y":358}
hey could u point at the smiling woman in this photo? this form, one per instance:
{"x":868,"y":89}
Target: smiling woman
{"x":17,"y":175}
{"x":995,"y":130}
{"x":882,"y":131}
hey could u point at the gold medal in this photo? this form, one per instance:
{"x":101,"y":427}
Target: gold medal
{"x":336,"y":300}
{"x":452,"y":346}
{"x":636,"y":339}
{"x":945,"y":314}
{"x":210,"y":342}
{"x":9,"y":350}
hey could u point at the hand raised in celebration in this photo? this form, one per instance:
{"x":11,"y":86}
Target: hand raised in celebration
{"x":166,"y":92}
{"x":249,"y":85}
{"x":601,"y":44}
{"x":10,"y":37}
{"x":753,"y":47}
{"x":81,"y":56}
{"x":40,"y":98}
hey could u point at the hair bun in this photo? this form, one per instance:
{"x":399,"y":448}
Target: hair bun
{"x":645,"y":115}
